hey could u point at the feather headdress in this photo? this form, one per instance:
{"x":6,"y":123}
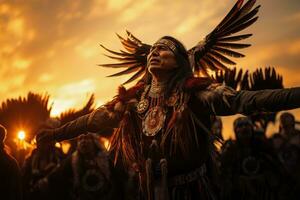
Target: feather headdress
{"x":214,"y":53}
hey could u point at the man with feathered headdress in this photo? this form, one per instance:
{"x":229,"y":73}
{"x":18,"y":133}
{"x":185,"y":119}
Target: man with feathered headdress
{"x":162,"y":124}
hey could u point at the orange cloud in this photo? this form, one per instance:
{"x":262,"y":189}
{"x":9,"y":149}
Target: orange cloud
{"x":67,"y":95}
{"x":136,"y":10}
{"x":21,"y":63}
{"x":55,"y":47}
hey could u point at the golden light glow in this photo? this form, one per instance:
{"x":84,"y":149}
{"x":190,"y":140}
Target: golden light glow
{"x":105,"y":142}
{"x":63,"y":63}
{"x":65,"y":146}
{"x":58,"y":145}
{"x":21,"y":135}
{"x":21,"y":63}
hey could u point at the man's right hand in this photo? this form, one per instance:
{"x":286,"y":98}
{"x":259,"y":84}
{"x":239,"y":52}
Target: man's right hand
{"x":45,"y":136}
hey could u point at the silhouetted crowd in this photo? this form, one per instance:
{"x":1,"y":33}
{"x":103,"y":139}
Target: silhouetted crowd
{"x":251,"y":166}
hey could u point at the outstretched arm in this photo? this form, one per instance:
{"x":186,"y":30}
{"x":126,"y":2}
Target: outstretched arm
{"x":103,"y":118}
{"x":246,"y":102}
{"x":223,"y":100}
{"x":98,"y":121}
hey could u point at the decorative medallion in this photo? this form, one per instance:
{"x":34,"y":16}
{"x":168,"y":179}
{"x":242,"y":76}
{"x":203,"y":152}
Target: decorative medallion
{"x":250,"y":165}
{"x":92,"y":180}
{"x":154,"y":121}
{"x":142,"y":106}
{"x":289,"y":155}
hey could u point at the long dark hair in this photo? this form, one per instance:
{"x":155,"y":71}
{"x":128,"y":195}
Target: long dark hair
{"x":181,"y":73}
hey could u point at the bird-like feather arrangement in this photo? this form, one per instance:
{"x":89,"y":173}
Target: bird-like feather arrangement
{"x":214,"y":53}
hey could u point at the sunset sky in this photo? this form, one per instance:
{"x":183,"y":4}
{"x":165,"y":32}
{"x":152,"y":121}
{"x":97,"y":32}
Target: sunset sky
{"x":52,"y":46}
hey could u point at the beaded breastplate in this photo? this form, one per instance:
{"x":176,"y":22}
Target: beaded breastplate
{"x":153,"y":110}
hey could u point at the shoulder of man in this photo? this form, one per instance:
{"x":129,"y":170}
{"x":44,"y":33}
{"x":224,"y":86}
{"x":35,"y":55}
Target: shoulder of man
{"x":130,"y":93}
{"x":194,"y":84}
{"x":207,"y":90}
{"x":125,"y":96}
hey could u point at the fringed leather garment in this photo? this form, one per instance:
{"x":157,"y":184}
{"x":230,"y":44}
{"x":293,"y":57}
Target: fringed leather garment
{"x":172,"y":163}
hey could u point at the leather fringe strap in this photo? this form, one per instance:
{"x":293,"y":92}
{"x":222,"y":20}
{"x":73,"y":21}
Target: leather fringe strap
{"x":164,"y":195}
{"x":149,"y":178}
{"x":75,"y":168}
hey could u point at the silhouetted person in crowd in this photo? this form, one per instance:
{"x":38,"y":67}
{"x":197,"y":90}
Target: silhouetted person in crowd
{"x":287,"y":131}
{"x":249,"y":168}
{"x":42,"y":161}
{"x":10,"y":176}
{"x":87,"y":174}
{"x":287,"y":145}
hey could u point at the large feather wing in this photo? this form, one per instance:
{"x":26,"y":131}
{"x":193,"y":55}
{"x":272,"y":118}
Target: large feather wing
{"x":133,"y":58}
{"x":221,"y":45}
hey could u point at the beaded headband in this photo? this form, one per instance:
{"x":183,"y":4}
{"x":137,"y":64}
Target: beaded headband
{"x":167,"y":43}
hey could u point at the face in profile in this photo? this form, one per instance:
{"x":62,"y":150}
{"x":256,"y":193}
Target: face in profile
{"x":160,"y":59}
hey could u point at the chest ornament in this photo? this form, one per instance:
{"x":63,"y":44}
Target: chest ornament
{"x":142,"y":106}
{"x":144,"y":103}
{"x":154,"y":121}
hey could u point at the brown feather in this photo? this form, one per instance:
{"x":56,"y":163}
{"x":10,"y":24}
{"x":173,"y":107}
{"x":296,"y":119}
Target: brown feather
{"x":239,"y":27}
{"x":113,"y":52}
{"x":135,"y":76}
{"x":222,"y":58}
{"x":125,"y":58}
{"x":243,"y":20}
{"x":229,"y":16}
{"x":131,"y":36}
{"x":127,"y":71}
{"x":209,"y":63}
{"x":234,"y":38}
{"x":117,"y":65}
{"x":216,"y":62}
{"x":232,"y":45}
{"x":227,"y":52}
{"x":127,"y":42}
{"x":246,"y":8}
